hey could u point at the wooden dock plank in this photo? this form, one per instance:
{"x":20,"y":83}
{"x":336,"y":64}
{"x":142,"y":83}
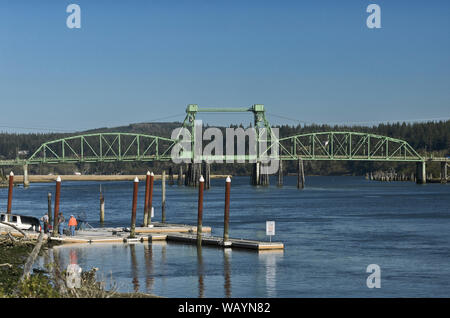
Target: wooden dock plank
{"x":218,"y":241}
{"x":162,"y":232}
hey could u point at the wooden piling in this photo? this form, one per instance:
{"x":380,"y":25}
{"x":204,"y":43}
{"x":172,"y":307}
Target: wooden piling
{"x":150,"y":200}
{"x":163,"y":202}
{"x":10,"y":192}
{"x":188,"y":173}
{"x":193,"y":173}
{"x":49,"y":208}
{"x":147,"y":196}
{"x":200,"y":210}
{"x":133,"y":208}
{"x":226,"y":217}
{"x":207,"y":174}
{"x":170,"y":176}
{"x":56,"y":209}
{"x":180,"y":175}
{"x":197,"y":174}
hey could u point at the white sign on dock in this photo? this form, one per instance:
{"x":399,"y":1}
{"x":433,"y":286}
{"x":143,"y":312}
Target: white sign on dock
{"x":153,"y":212}
{"x":270,"y":229}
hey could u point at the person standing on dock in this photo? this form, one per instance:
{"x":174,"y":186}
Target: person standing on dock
{"x":44,"y":220}
{"x":72,"y":225}
{"x":61,"y":221}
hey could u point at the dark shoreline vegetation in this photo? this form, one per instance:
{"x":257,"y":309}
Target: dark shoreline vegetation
{"x":47,"y":283}
{"x":426,"y":138}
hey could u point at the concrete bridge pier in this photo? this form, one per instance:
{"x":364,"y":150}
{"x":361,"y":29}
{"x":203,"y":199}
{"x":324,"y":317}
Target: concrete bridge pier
{"x":280,"y":174}
{"x":26,"y":181}
{"x":300,"y":174}
{"x":421,"y":173}
{"x":256,"y":171}
{"x":264,"y":176}
{"x":444,"y":174}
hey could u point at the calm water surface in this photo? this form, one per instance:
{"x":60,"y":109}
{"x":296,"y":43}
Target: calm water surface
{"x":332,"y":230}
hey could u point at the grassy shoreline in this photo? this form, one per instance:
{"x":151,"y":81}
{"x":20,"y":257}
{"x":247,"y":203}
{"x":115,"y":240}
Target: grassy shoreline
{"x":13,"y":256}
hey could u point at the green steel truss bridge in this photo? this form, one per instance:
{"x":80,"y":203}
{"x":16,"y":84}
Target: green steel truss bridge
{"x":114,"y":147}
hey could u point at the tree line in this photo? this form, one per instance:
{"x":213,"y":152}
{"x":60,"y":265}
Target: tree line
{"x":426,"y":138}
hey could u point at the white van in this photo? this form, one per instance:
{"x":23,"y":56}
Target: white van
{"x":22,"y":222}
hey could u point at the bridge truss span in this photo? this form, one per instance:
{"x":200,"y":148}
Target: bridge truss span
{"x":104,"y":147}
{"x":346,"y":146}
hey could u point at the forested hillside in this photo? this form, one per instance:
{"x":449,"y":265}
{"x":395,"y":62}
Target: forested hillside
{"x":426,"y":138}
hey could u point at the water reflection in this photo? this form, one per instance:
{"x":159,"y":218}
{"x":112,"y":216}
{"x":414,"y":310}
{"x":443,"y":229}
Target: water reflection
{"x":269,"y":259}
{"x":148,"y":256}
{"x":227,"y":272}
{"x":201,"y":286}
{"x":73,"y":256}
{"x":148,"y":267}
{"x":134,"y":268}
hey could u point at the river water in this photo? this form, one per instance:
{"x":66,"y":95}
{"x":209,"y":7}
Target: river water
{"x":332,"y":230}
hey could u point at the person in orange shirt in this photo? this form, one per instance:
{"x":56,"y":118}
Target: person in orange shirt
{"x":72,"y":225}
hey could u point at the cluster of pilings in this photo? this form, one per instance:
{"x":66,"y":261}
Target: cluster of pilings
{"x":259,"y":176}
{"x":193,"y":173}
{"x":390,"y":176}
{"x":420,"y":176}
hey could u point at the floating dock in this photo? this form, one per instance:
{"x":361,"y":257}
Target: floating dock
{"x":180,"y":233}
{"x":218,"y":241}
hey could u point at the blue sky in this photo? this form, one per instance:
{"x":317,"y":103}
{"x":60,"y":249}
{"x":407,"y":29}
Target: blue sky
{"x":137,"y":61}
